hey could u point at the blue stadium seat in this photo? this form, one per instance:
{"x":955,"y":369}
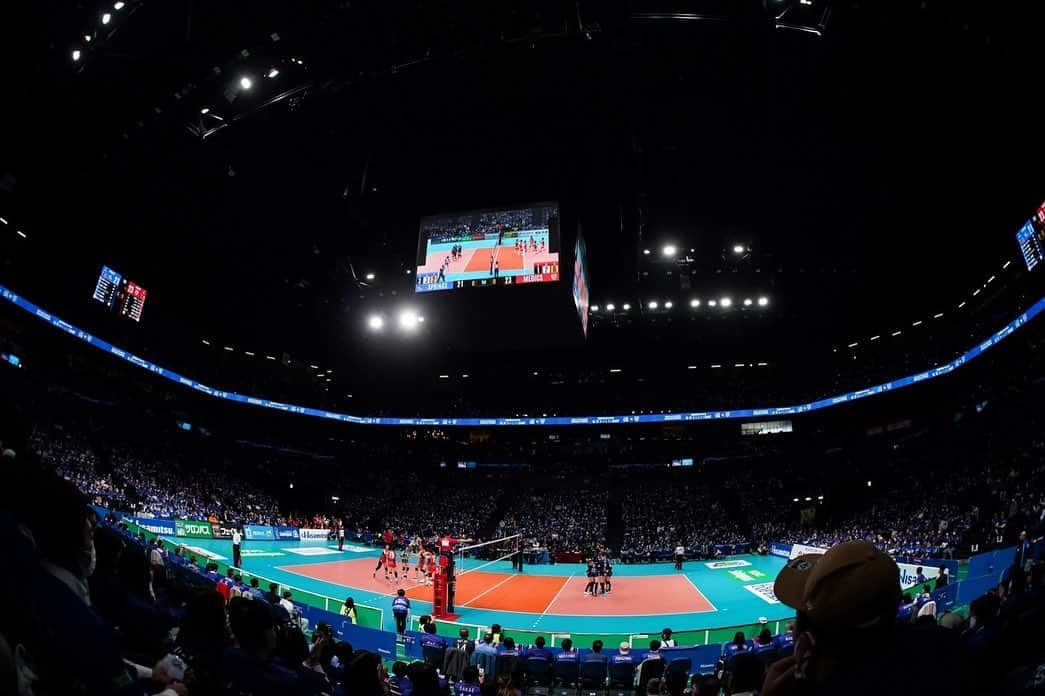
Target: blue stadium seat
{"x":593,"y":674}
{"x":433,"y":655}
{"x":566,"y":673}
{"x":622,"y":674}
{"x":538,"y":672}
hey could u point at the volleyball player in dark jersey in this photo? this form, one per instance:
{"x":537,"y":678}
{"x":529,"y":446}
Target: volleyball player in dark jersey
{"x":589,"y":589}
{"x":609,"y":574}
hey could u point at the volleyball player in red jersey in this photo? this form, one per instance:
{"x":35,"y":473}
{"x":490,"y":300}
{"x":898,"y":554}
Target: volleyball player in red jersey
{"x":390,"y":565}
{"x":381,"y":562}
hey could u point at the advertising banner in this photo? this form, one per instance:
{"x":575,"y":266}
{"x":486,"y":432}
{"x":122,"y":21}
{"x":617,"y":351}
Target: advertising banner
{"x":222,"y":530}
{"x":257,"y":532}
{"x":286,"y":533}
{"x":782,"y":550}
{"x":314,"y":534}
{"x":193,"y":529}
{"x":803,"y":550}
{"x":909,"y":578}
{"x":155,"y":525}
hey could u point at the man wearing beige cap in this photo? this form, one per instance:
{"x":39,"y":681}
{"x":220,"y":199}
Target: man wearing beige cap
{"x":848,"y":640}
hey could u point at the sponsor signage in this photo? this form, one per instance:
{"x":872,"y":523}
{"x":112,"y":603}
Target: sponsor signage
{"x":803,"y":550}
{"x":715,"y":565}
{"x":782,"y":550}
{"x":909,"y":576}
{"x":284,"y":533}
{"x":222,"y":531}
{"x":312,"y":551}
{"x":763,"y":591}
{"x":258,"y":532}
{"x":260,"y":553}
{"x":194,"y":529}
{"x":750,"y":575}
{"x":313,"y":534}
{"x":155,"y":525}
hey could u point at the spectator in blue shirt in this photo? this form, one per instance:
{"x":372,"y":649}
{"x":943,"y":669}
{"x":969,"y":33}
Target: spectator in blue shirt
{"x":737,"y":646}
{"x":508,"y":647}
{"x":430,"y":639}
{"x":568,"y":653}
{"x":624,"y":656}
{"x":764,"y":642}
{"x":469,"y":684}
{"x":398,"y":683}
{"x":538,"y":651}
{"x":486,"y":646}
{"x":787,"y":638}
{"x":400,"y":608}
{"x":906,"y":611}
{"x":596,"y":654}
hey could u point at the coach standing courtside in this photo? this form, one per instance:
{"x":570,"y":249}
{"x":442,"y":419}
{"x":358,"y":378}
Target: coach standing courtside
{"x":237,"y":540}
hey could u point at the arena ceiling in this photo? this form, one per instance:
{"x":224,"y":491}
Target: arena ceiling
{"x":876,"y":169}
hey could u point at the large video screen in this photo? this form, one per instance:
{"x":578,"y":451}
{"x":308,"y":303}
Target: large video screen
{"x":119,"y":294}
{"x":1031,"y":239}
{"x":512,"y":246}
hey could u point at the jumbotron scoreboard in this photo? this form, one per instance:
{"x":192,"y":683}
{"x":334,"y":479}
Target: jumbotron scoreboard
{"x":119,"y":294}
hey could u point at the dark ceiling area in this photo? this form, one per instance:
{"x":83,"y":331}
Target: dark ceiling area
{"x":874,"y":170}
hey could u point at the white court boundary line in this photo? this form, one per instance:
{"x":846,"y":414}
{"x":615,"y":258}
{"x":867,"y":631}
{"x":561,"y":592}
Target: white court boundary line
{"x":713,"y":607}
{"x":554,"y":600}
{"x":487,"y":590}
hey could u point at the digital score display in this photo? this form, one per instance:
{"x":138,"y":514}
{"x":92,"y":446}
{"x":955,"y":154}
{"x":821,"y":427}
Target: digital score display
{"x":1031,"y":239}
{"x":516,"y":246}
{"x":119,"y":294}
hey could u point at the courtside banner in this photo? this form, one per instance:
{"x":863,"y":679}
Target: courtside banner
{"x":285,"y":533}
{"x":222,"y":530}
{"x":803,"y":550}
{"x":782,"y":550}
{"x":909,"y":574}
{"x":314,"y":534}
{"x":194,"y":529}
{"x":257,"y":532}
{"x":155,"y":525}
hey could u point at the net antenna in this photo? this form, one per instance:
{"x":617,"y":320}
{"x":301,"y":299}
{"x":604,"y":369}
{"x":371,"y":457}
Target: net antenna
{"x":468,"y":559}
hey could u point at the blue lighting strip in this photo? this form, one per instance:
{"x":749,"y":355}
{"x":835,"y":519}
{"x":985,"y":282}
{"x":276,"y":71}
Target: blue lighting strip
{"x":100,"y":344}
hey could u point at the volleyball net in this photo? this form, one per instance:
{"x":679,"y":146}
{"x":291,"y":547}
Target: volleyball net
{"x":468,"y":559}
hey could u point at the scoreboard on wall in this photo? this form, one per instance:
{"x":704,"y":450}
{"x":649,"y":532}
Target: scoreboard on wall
{"x":1031,"y":239}
{"x":119,"y":294}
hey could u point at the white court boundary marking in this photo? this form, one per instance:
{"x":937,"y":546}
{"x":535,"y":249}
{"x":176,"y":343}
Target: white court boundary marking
{"x":554,"y":600}
{"x":487,"y":590}
{"x":713,"y":607}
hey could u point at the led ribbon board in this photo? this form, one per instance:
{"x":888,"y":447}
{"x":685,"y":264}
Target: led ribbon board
{"x":969,"y":355}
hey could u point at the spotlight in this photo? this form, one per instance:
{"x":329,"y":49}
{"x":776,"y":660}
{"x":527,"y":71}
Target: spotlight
{"x":652,"y":304}
{"x":420,"y":319}
{"x":748,"y":302}
{"x":272,"y":73}
{"x":369,"y":276}
{"x":106,"y":18}
{"x":245,"y":82}
{"x":626,"y":307}
{"x":795,"y":500}
{"x":694,"y":303}
{"x":119,"y":6}
{"x":76,"y":55}
{"x":712,"y":303}
{"x":408,"y":320}
{"x":868,"y":484}
{"x":738,"y":249}
{"x":725,"y":302}
{"x":595,"y":308}
{"x":668,"y":250}
{"x":763,"y":301}
{"x":87,"y":38}
{"x":205,"y":110}
{"x":645,"y":252}
{"x":375,"y":323}
{"x":669,"y":304}
{"x":610,"y":307}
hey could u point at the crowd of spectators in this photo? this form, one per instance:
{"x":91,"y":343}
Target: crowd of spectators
{"x":569,"y":521}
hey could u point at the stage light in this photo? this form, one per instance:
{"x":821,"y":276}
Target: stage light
{"x":106,"y":18}
{"x":272,"y":73}
{"x":668,"y":250}
{"x":595,"y":308}
{"x":645,"y":252}
{"x":369,"y":276}
{"x":868,"y":484}
{"x":444,"y":376}
{"x":739,"y":365}
{"x":205,"y":341}
{"x":917,"y":323}
{"x":375,"y":323}
{"x":808,"y":498}
{"x":937,"y":316}
{"x":652,"y":304}
{"x":715,"y":366}
{"x":691,"y":367}
{"x":712,"y":303}
{"x":20,"y":233}
{"x":247,"y":352}
{"x":894,"y":334}
{"x":4,"y":220}
{"x":795,"y":500}
{"x":270,"y":357}
{"x":118,"y":6}
{"x":408,"y":320}
{"x":614,"y":370}
{"x":820,"y":497}
{"x":669,"y":304}
{"x":725,"y":302}
{"x":738,"y":249}
{"x":76,"y":55}
{"x":245,"y":82}
{"x":748,"y":302}
{"x":960,"y":305}
{"x":228,"y":348}
{"x":763,"y":301}
{"x":610,"y":307}
{"x":87,"y":38}
{"x":762,"y":364}
{"x":464,"y":376}
{"x":292,"y":485}
{"x":1005,"y":265}
{"x":408,"y":271}
{"x":420,"y":319}
{"x":626,"y":307}
{"x":876,"y":337}
{"x":694,"y":303}
{"x":854,"y":344}
{"x":205,"y":110}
